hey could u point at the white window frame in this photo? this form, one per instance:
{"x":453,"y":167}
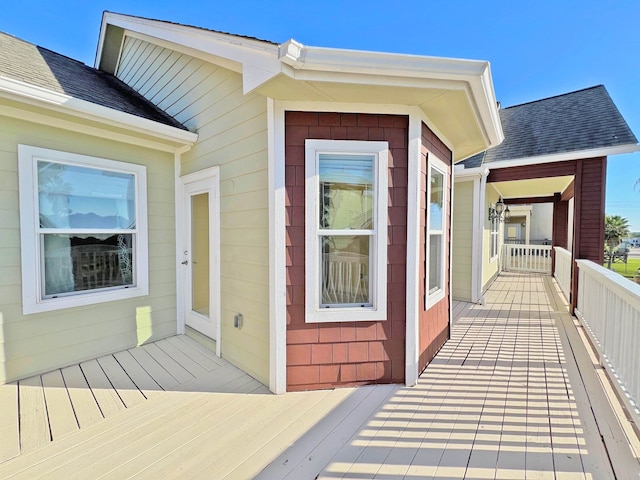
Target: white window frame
{"x":33,"y":299}
{"x":431,"y":298}
{"x":378,"y":254}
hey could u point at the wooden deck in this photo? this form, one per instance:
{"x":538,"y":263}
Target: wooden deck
{"x":510,"y":396}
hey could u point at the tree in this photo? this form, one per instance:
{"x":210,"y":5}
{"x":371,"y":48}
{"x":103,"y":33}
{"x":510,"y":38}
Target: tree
{"x":615,"y":228}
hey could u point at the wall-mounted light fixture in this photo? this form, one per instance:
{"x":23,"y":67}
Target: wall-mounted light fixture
{"x":498,"y":211}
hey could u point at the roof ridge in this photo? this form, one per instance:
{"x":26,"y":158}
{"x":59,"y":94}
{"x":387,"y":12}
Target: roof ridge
{"x":248,"y":37}
{"x":555,"y":96}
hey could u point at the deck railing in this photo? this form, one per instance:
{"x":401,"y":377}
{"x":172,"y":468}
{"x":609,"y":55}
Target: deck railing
{"x":527,"y":258}
{"x":609,"y":308}
{"x":562,"y":271}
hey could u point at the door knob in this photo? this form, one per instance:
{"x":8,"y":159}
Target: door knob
{"x":186,"y":262}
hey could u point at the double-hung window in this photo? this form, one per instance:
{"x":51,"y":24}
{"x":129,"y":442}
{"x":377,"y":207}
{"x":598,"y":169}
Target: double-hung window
{"x":346,"y":230}
{"x":83,"y":229}
{"x":435,"y":235}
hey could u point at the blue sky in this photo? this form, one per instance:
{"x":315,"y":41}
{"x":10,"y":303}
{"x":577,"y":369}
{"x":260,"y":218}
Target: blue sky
{"x":536,"y":49}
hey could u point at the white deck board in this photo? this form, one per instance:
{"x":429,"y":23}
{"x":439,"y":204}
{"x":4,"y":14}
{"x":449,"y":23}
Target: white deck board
{"x":9,"y":431}
{"x":154,"y":369}
{"x":84,"y":403}
{"x":34,"y":425}
{"x":108,"y":400}
{"x":124,"y":386}
{"x":145,"y":382}
{"x":62,"y":418}
{"x":194,"y":353}
{"x":176,"y":370}
{"x":188,"y":363}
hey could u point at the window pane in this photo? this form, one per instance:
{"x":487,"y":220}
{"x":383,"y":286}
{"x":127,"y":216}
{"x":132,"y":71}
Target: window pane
{"x":436,"y":201}
{"x":346,"y":191}
{"x":80,"y":197}
{"x":435,"y":262}
{"x":75,"y":263}
{"x":345,"y":270}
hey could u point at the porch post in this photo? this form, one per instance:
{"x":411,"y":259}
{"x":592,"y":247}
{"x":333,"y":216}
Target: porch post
{"x":588,"y":241}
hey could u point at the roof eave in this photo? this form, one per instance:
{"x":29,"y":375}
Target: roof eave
{"x":55,"y":101}
{"x":474,"y":75}
{"x":566,"y":156}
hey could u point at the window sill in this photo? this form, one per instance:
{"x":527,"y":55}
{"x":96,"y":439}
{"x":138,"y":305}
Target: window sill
{"x":434,"y":298}
{"x":30,"y":306}
{"x":330,"y":315}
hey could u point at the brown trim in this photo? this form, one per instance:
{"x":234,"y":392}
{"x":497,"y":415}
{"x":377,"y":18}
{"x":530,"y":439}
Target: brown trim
{"x":524,"y":200}
{"x":573,"y":295}
{"x":568,"y":192}
{"x":528,"y":172}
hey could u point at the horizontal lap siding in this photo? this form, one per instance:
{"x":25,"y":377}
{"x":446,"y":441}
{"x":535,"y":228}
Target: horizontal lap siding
{"x":232,"y":133}
{"x":462,"y":236}
{"x":36,"y":343}
{"x":347,"y":353}
{"x":434,"y":323}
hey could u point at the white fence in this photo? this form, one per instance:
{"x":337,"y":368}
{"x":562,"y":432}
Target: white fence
{"x":527,"y":258}
{"x":609,"y":308}
{"x":562,"y":271}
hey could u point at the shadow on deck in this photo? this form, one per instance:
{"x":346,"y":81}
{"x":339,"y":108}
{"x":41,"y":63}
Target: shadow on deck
{"x":512,"y":395}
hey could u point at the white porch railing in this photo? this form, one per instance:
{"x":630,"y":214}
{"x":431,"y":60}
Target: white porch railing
{"x":562,"y":271}
{"x":527,"y":258}
{"x":609,"y":309}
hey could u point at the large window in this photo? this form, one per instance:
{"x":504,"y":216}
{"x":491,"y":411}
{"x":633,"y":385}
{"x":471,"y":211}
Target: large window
{"x":435,"y":235}
{"x":346,"y":211}
{"x":83,"y":229}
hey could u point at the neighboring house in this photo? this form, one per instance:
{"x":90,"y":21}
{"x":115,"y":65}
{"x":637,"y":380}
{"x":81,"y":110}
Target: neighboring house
{"x":553,"y":156}
{"x":291,"y":203}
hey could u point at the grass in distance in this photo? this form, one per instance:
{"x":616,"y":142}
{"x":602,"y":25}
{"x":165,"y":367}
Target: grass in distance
{"x":629,"y":270}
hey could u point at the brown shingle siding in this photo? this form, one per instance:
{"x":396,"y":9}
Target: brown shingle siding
{"x":345,"y":353}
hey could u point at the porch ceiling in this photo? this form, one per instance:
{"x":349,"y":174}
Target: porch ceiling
{"x":538,"y":187}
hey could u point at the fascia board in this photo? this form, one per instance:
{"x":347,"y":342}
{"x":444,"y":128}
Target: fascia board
{"x":24,"y":92}
{"x":359,"y":66}
{"x":465,"y":174}
{"x":563,"y":157}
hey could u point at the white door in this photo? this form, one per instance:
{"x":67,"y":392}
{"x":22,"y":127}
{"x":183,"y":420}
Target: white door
{"x":200,"y":253}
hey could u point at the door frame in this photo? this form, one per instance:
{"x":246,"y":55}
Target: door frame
{"x":212,"y":178}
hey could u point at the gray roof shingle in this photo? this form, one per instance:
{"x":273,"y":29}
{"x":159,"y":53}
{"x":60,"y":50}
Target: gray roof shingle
{"x":572,"y":122}
{"x":28,"y":63}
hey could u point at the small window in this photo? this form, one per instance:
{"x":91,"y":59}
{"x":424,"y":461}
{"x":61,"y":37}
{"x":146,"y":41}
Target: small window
{"x":83,"y":229}
{"x":435,"y":234}
{"x":494,"y":237}
{"x":346,"y":205}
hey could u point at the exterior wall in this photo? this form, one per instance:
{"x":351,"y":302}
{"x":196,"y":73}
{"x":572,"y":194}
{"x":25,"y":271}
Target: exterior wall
{"x":434,"y":322}
{"x":490,"y":268}
{"x":326,"y":355}
{"x":462,"y":240}
{"x":35,"y":343}
{"x":232,"y":129}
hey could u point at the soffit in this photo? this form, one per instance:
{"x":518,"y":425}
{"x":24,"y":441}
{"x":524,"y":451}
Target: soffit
{"x":537,"y":187}
{"x":449,"y":110}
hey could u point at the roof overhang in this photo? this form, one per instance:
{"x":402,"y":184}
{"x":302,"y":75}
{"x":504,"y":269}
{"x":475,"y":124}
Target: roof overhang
{"x":124,"y":126}
{"x":536,"y":187}
{"x":456,"y":95}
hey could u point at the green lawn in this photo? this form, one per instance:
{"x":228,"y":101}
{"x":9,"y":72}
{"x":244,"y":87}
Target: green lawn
{"x":629,"y":270}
